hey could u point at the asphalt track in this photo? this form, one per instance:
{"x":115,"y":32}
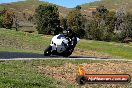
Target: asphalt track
{"x":15,"y":55}
{"x":30,"y":56}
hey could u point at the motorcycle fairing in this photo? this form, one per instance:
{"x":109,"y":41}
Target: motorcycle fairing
{"x":59,"y":43}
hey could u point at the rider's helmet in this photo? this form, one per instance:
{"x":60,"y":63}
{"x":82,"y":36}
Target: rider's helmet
{"x":68,"y":32}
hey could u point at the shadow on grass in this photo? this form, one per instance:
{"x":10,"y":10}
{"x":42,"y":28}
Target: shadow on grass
{"x":9,"y":55}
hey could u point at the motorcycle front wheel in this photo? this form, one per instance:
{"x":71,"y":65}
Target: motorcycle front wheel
{"x":47,"y":51}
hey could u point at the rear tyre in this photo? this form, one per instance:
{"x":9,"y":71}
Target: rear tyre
{"x":47,"y":51}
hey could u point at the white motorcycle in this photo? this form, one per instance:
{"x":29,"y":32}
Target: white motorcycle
{"x":59,"y":46}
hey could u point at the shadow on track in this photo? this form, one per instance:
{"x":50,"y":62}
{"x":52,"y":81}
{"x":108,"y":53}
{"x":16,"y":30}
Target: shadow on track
{"x":10,"y":55}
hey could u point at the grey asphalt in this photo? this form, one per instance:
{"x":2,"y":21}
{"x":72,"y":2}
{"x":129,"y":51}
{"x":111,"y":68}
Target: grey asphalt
{"x":9,"y":55}
{"x":27,"y":56}
{"x":12,"y":55}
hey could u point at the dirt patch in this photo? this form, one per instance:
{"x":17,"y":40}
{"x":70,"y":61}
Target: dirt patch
{"x":90,"y":53}
{"x":66,"y":72}
{"x":69,"y":71}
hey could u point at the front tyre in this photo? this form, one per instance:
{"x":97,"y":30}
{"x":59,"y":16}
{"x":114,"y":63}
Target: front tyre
{"x":47,"y":51}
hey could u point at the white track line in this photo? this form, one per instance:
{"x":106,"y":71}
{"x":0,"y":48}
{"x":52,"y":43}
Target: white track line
{"x":65,"y":59}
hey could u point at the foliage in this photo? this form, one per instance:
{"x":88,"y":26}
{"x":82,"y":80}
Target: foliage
{"x":109,"y":26}
{"x":129,"y":25}
{"x":123,"y":24}
{"x":75,"y":21}
{"x":8,"y":19}
{"x":2,"y":13}
{"x":63,"y":22}
{"x":47,"y":18}
{"x":101,"y":25}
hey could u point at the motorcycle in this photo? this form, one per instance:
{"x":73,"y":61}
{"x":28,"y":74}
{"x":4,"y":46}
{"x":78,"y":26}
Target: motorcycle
{"x":59,"y":46}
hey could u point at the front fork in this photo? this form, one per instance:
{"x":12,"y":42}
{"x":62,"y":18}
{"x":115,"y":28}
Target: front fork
{"x":54,"y":49}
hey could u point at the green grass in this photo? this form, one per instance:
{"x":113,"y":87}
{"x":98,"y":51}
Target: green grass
{"x":58,"y":62}
{"x":115,"y":49}
{"x":11,"y":40}
{"x":20,"y":41}
{"x":24,"y":74}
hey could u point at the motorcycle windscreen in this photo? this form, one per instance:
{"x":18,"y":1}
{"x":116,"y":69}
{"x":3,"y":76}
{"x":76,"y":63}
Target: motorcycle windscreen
{"x":60,"y":36}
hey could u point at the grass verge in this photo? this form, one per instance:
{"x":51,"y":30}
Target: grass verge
{"x":27,"y":74}
{"x":24,"y":74}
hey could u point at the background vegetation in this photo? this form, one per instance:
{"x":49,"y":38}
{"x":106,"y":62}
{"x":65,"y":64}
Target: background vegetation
{"x":47,"y":19}
{"x":102,"y":25}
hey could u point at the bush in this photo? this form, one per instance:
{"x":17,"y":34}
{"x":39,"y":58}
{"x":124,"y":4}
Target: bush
{"x":8,"y":19}
{"x":47,"y":18}
{"x":75,"y":21}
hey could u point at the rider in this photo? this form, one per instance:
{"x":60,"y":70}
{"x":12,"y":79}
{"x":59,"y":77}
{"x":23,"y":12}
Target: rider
{"x":72,"y":38}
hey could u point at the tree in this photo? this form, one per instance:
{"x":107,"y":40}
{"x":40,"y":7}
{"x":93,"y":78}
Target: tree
{"x":90,"y":28}
{"x":102,"y":10}
{"x":106,"y":21}
{"x":47,"y":18}
{"x":120,"y":19}
{"x":16,"y":22}
{"x":75,"y":21}
{"x":100,"y":15}
{"x":8,"y":19}
{"x":129,"y":25}
{"x":63,"y":22}
{"x":121,"y":23}
{"x":78,"y":7}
